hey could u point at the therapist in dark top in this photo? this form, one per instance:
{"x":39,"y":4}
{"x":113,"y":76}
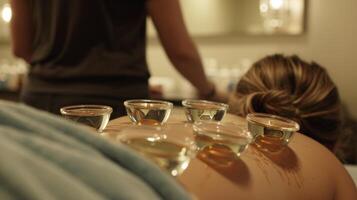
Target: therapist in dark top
{"x":94,"y":51}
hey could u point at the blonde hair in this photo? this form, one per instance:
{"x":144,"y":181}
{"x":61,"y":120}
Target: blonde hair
{"x":290,"y":87}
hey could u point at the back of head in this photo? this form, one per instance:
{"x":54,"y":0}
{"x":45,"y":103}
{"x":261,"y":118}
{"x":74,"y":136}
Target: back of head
{"x":290,"y":87}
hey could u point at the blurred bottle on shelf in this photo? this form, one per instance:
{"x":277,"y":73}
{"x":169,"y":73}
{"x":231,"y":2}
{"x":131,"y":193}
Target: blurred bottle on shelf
{"x":162,"y":87}
{"x":11,"y":73}
{"x":225,"y":77}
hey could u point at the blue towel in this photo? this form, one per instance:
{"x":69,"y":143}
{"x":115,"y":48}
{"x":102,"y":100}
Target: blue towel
{"x":43,"y":156}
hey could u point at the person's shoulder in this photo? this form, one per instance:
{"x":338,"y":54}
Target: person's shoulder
{"x":311,"y":151}
{"x":303,"y":145}
{"x":317,"y":159}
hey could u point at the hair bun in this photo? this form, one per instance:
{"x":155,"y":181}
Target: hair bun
{"x":278,"y":102}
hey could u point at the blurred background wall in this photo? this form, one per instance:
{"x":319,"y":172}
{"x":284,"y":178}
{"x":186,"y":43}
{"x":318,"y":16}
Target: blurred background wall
{"x":330,"y":38}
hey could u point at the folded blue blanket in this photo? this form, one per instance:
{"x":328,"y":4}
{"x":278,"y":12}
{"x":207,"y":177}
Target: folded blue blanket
{"x":43,"y":156}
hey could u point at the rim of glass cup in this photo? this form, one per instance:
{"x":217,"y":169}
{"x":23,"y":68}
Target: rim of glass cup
{"x":70,"y":110}
{"x":156,"y":134}
{"x":159,"y":132}
{"x":159,"y":104}
{"x":290,"y":125}
{"x":231,"y":130}
{"x":139,"y":131}
{"x":188,"y":103}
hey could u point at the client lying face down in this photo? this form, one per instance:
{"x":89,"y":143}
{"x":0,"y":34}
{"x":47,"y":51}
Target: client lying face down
{"x":291,"y":87}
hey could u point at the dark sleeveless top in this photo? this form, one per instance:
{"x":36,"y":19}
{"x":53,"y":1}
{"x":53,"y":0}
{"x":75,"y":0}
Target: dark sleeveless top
{"x":89,"y":47}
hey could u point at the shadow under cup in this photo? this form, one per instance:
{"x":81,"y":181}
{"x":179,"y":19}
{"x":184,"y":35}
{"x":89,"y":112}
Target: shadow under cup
{"x":271,"y":133}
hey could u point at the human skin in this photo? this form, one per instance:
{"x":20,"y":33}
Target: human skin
{"x":21,"y":28}
{"x":179,"y":47}
{"x":304,"y":170}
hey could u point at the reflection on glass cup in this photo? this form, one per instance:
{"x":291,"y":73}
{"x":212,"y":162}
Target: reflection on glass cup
{"x":96,"y":116}
{"x":148,"y":112}
{"x":222,"y":139}
{"x":271,"y":133}
{"x":170,"y":151}
{"x":202,"y":110}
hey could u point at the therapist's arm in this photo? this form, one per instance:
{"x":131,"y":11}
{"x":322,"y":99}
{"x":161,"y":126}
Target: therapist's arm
{"x":179,"y":47}
{"x":21,"y":28}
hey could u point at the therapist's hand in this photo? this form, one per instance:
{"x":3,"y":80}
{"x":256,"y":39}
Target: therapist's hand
{"x":214,"y":94}
{"x":220,"y":96}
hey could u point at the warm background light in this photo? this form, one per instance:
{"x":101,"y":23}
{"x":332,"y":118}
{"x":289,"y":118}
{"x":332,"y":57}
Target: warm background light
{"x":276,"y":4}
{"x":6,"y":13}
